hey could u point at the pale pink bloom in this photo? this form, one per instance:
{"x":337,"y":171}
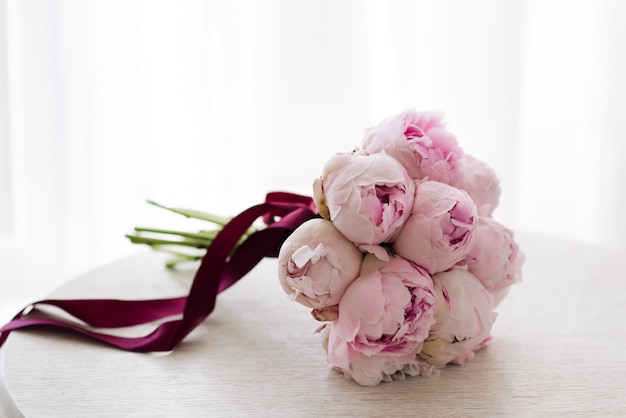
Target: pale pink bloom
{"x":495,"y":258}
{"x":367,"y":197}
{"x":463,"y":320}
{"x":479,"y":181}
{"x":419,"y":140}
{"x":316,"y":264}
{"x":384,"y":317}
{"x":441,"y":228}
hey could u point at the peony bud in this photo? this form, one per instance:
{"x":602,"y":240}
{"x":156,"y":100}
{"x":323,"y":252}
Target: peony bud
{"x":463,"y":320}
{"x":367,"y":197}
{"x":441,"y":228}
{"x":317,"y":263}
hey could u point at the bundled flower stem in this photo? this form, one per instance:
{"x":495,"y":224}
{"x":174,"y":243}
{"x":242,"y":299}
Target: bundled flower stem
{"x":179,"y":243}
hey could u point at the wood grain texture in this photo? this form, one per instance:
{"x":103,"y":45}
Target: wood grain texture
{"x":557,"y":350}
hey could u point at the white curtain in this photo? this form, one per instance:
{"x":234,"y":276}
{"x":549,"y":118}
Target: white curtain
{"x":210,"y":104}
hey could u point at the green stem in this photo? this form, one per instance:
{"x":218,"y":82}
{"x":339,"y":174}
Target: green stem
{"x":178,"y":257}
{"x":178,"y":253}
{"x":201,"y":239}
{"x":174,"y":261}
{"x":191,"y":213}
{"x":138,"y":239}
{"x":201,"y":235}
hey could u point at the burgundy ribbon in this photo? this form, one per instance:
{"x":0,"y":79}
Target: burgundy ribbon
{"x":219,"y":269}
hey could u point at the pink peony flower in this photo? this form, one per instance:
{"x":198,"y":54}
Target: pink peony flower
{"x":441,"y":228}
{"x":463,"y":320}
{"x":367,"y":197}
{"x":384,"y":317}
{"x":480,"y":182}
{"x":419,"y":141}
{"x":316,"y":264}
{"x":495,"y":259}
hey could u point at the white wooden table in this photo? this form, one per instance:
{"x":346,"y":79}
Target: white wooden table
{"x":558,"y":349}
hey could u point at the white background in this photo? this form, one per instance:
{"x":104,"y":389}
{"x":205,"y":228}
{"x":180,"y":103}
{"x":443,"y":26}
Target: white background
{"x":210,"y":104}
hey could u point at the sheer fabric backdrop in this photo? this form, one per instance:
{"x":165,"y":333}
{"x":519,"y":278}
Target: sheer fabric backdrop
{"x":210,"y":104}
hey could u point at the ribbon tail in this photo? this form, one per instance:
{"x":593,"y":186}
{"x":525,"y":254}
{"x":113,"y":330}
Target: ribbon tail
{"x":163,"y":338}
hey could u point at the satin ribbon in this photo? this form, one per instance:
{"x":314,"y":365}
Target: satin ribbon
{"x":223,"y":265}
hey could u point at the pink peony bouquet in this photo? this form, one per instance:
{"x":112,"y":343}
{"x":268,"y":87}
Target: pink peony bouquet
{"x":406,"y":264}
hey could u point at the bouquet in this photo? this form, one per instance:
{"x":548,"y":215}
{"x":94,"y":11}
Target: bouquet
{"x":406,"y":264}
{"x":397,"y":254}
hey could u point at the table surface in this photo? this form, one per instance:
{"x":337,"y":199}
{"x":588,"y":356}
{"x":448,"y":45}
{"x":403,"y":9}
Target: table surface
{"x":557,"y":350}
